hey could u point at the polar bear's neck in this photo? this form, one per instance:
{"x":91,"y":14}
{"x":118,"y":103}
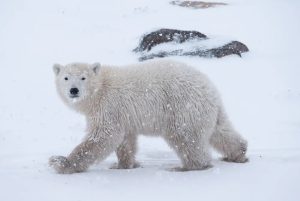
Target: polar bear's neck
{"x":109,"y":79}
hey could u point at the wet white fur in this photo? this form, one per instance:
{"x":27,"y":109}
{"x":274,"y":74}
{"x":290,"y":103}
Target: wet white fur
{"x":162,"y":98}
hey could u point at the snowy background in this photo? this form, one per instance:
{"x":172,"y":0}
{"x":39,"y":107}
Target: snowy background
{"x":261,"y":92}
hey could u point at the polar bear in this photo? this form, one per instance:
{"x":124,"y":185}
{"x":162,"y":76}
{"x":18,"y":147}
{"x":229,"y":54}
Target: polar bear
{"x":161,"y":98}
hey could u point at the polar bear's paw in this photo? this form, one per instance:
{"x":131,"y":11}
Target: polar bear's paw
{"x":241,"y":159}
{"x":123,"y":166}
{"x":238,"y":156}
{"x":184,"y":169}
{"x":60,"y":164}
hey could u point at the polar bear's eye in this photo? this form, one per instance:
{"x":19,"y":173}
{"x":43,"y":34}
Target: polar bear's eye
{"x":83,"y":78}
{"x":66,"y":78}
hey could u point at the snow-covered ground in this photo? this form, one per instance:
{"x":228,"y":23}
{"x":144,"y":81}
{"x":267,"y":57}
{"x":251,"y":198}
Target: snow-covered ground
{"x":261,"y":92}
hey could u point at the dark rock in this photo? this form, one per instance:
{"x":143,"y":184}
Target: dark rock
{"x":234,"y":47}
{"x":197,"y":4}
{"x":148,"y":41}
{"x":167,"y":35}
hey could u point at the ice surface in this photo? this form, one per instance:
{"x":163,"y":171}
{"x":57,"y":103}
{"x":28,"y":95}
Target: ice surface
{"x":261,"y":92}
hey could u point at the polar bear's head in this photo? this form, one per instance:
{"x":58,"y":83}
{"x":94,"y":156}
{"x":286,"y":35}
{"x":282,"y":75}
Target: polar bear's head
{"x":74,"y":81}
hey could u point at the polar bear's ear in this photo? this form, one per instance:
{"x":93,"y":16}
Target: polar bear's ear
{"x":57,"y":68}
{"x":96,"y":67}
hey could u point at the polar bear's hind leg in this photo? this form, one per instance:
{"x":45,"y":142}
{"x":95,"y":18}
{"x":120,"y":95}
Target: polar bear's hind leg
{"x":227,"y":141}
{"x":194,"y":153}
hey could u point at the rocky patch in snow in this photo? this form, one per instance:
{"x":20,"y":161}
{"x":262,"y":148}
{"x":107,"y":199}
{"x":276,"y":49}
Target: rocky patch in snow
{"x":197,"y":4}
{"x":154,"y":38}
{"x":173,"y":42}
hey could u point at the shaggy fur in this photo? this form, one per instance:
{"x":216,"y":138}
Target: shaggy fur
{"x":161,"y":98}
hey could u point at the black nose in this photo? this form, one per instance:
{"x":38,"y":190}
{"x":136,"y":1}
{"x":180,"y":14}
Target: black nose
{"x":74,"y":91}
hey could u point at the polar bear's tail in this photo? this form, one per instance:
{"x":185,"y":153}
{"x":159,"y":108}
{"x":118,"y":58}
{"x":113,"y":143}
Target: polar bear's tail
{"x":227,"y":141}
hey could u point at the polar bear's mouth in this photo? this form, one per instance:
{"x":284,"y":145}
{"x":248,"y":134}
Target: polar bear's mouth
{"x":74,"y":96}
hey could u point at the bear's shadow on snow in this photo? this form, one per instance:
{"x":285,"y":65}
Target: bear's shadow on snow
{"x":165,"y":36}
{"x":153,"y":161}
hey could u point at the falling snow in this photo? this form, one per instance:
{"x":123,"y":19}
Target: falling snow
{"x":261,"y":92}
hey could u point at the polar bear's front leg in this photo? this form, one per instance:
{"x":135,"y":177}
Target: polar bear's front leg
{"x":79,"y":160}
{"x":86,"y":153}
{"x":126,"y":153}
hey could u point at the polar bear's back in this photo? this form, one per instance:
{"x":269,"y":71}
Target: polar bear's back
{"x":161,"y":91}
{"x":178,"y":78}
{"x":165,"y":70}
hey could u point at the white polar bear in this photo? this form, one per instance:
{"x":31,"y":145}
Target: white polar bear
{"x":161,"y":98}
